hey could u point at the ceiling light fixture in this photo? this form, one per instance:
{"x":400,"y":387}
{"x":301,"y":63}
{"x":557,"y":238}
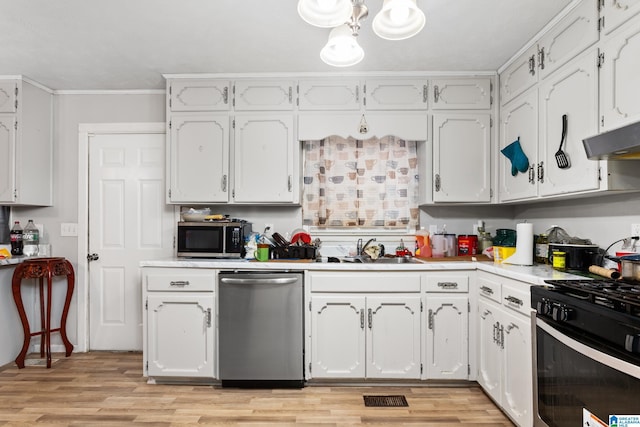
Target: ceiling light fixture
{"x":398,"y":20}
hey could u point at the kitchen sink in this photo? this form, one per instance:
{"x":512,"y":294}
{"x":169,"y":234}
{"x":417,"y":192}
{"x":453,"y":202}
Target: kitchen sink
{"x":384,"y":260}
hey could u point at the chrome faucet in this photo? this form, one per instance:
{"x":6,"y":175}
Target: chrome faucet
{"x":360,"y":247}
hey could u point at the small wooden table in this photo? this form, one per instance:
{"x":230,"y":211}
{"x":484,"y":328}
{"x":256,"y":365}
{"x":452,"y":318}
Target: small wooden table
{"x":39,"y":268}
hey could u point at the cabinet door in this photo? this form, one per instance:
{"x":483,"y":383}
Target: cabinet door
{"x":620,"y":80}
{"x":199,"y":158}
{"x":461,"y":157}
{"x":568,"y":38}
{"x":519,"y":121}
{"x":572,"y":90}
{"x":517,"y":397}
{"x":329,"y":95}
{"x":8,"y":96}
{"x":615,"y":12}
{"x":7,"y":158}
{"x":393,"y":337}
{"x":199,"y":95}
{"x":490,"y":355}
{"x":264,"y":155}
{"x":461,"y":94}
{"x":519,"y":76}
{"x":338,"y":337}
{"x":181,"y":334}
{"x":393,"y":94}
{"x":447,"y":335}
{"x":263,"y":95}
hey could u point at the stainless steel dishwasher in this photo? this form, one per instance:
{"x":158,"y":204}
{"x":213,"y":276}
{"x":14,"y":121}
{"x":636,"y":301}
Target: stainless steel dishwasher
{"x":261,"y":329}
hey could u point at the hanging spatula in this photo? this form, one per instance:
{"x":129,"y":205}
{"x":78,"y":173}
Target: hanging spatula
{"x":561,"y":157}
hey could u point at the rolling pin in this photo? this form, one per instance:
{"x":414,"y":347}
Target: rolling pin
{"x":604,"y":272}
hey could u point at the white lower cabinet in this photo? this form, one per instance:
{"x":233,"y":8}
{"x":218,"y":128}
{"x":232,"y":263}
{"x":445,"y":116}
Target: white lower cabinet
{"x":359,"y":330}
{"x":179,"y":323}
{"x":505,"y":353}
{"x":447,"y":327}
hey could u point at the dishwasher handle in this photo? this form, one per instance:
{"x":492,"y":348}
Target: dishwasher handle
{"x":261,"y":281}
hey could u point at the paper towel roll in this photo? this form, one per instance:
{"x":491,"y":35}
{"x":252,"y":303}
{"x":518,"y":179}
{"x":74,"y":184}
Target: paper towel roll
{"x":524,"y":246}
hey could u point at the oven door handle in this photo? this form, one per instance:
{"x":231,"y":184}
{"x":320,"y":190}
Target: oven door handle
{"x":598,"y":356}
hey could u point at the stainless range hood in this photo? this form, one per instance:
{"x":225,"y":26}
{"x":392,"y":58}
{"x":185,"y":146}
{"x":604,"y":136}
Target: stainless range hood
{"x":617,"y":144}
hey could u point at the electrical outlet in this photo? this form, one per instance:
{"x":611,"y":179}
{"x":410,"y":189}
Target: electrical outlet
{"x":635,"y":230}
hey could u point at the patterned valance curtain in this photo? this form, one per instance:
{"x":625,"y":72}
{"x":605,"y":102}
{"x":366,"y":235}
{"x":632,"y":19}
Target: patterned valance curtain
{"x":360,"y":183}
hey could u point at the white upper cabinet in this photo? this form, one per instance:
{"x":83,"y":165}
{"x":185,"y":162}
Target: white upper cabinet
{"x":569,"y":37}
{"x":519,"y":122}
{"x":461,"y":94}
{"x":620,"y":76}
{"x":519,"y":76}
{"x":572,"y":91}
{"x":26,"y":146}
{"x":264,"y":153}
{"x":396,"y":94}
{"x":615,"y":12}
{"x":329,"y":94}
{"x":266,"y":95}
{"x":461,"y":157}
{"x":199,"y":95}
{"x":198,"y":158}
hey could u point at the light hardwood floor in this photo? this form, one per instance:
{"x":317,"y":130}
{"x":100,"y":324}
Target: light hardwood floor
{"x":103,"y":388}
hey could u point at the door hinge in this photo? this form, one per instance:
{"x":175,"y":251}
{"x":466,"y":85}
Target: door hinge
{"x":491,"y":100}
{"x":421,"y":307}
{"x":490,"y":122}
{"x":309,"y":367}
{"x":297,"y":95}
{"x":599,"y":174}
{"x":15,"y":125}
{"x":602,"y":120}
{"x":309,"y":305}
{"x":15,"y":194}
{"x":491,"y":193}
{"x":233,"y":193}
{"x":601,"y":60}
{"x":233,"y":123}
{"x":468,"y":307}
{"x":468,"y":369}
{"x":601,"y":24}
{"x":169,"y":124}
{"x":146,"y":304}
{"x":169,"y":193}
{"x":421,"y":368}
{"x":147,"y":366}
{"x":437,"y":182}
{"x":541,"y":58}
{"x":174,"y":242}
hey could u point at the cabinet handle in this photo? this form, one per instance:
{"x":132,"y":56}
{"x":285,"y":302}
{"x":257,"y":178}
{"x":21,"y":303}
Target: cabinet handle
{"x":224,"y":183}
{"x":425,"y":93}
{"x":510,"y":327}
{"x":290,"y":94}
{"x":532,"y":65}
{"x":225,"y":95}
{"x":436,"y":93}
{"x":179,"y":283}
{"x":495,"y":332}
{"x":541,"y":58}
{"x":208,"y":317}
{"x":370,"y":318}
{"x":362,"y":318}
{"x":437,"y":182}
{"x":486,"y":290}
{"x":357,"y":93}
{"x":514,"y":300}
{"x":501,"y":335}
{"x":448,"y":285}
{"x":430,"y":319}
{"x":290,"y":183}
{"x":532,"y":175}
{"x":541,"y":172}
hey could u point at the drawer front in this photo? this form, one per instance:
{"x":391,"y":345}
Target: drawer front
{"x":517,"y":296}
{"x":179,"y":279}
{"x":490,"y":289}
{"x":365,"y":282}
{"x":447,"y":283}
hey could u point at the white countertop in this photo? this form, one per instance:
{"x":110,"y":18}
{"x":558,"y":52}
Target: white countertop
{"x":535,"y":274}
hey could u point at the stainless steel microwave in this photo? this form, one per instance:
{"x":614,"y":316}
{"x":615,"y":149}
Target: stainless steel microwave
{"x":215,"y":239}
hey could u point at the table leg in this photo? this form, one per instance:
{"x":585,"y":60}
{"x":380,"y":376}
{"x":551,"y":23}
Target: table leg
{"x":65,"y":311}
{"x":47,"y":329}
{"x":43,"y":323}
{"x":17,"y":297}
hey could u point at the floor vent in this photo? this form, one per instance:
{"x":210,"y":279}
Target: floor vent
{"x":385,"y":401}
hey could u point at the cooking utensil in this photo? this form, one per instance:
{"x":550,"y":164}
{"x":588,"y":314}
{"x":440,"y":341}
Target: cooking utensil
{"x":561,"y":156}
{"x":630,"y":267}
{"x":280,"y":241}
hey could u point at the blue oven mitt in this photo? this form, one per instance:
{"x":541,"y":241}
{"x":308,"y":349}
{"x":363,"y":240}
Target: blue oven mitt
{"x":519,"y":160}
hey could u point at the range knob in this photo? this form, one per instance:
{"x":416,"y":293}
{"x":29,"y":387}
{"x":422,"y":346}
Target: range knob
{"x":543,"y":307}
{"x":560,"y":313}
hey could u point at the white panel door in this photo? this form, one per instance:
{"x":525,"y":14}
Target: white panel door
{"x":128,"y":222}
{"x":517,"y":387}
{"x":393,"y":337}
{"x":7,"y":157}
{"x":337,"y":336}
{"x":490,"y":354}
{"x":396,"y":94}
{"x":329,"y":94}
{"x":447,"y":337}
{"x":199,"y":95}
{"x":615,"y":12}
{"x":461,"y":94}
{"x":519,"y":76}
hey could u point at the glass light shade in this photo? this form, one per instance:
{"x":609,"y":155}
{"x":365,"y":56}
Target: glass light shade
{"x":398,"y":20}
{"x":325,"y":13}
{"x":342,"y":49}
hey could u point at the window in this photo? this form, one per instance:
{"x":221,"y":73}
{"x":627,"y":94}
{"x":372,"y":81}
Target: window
{"x":369,"y":183}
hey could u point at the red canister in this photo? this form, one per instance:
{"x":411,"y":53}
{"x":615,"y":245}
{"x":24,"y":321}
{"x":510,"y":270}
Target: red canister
{"x":467,"y":244}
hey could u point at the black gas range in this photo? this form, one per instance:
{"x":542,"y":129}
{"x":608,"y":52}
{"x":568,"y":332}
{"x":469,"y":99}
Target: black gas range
{"x":587,"y":350}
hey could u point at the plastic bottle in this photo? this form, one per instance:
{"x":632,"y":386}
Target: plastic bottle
{"x":16,"y":239}
{"x":30,"y":239}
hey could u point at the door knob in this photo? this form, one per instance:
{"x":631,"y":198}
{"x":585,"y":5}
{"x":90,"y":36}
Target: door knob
{"x":93,"y":257}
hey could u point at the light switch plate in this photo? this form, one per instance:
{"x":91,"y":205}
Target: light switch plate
{"x":68,"y":229}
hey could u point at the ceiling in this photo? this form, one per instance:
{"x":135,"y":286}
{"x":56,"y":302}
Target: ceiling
{"x":129,"y":44}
